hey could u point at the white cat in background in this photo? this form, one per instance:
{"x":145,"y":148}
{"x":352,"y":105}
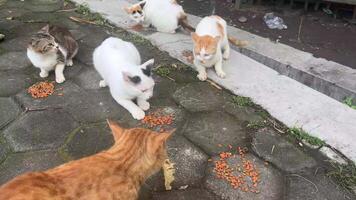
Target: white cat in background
{"x":119,"y":64}
{"x":165,"y":15}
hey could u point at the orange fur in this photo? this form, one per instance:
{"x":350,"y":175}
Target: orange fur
{"x":221,"y":29}
{"x":207,"y":42}
{"x":116,"y":173}
{"x":133,"y":8}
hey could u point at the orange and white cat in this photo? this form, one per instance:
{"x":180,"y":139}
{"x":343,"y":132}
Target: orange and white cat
{"x":114,"y":174}
{"x":211,"y":46}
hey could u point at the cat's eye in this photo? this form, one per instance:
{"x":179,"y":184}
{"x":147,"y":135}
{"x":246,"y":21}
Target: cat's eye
{"x":139,"y":11}
{"x":135,"y":79}
{"x":147,"y":71}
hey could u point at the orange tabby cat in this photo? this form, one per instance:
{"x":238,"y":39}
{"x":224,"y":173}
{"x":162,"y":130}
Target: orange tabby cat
{"x":113,"y":174}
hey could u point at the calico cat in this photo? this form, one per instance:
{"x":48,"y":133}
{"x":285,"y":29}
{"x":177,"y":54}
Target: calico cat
{"x":211,"y":46}
{"x":165,"y":15}
{"x":116,"y":173}
{"x":119,"y":64}
{"x":52,"y":48}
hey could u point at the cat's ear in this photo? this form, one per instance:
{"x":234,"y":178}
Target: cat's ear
{"x":127,"y":9}
{"x":195,"y":37}
{"x":142,"y":4}
{"x":148,"y":63}
{"x":45,"y":29}
{"x":116,"y":130}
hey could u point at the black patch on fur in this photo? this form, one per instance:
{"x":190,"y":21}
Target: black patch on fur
{"x":135,"y":79}
{"x":147,"y":71}
{"x":142,"y":4}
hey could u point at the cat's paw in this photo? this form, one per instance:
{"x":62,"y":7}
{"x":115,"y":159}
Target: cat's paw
{"x":138,"y":114}
{"x":60,"y":79}
{"x":226,"y":55}
{"x":221,"y":74}
{"x":102,"y":84}
{"x":144,"y":105}
{"x":43,"y":74}
{"x":202,"y":76}
{"x":69,"y":62}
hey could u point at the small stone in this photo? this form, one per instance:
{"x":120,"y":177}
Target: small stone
{"x":2,"y":37}
{"x":242,"y":19}
{"x":273,"y":148}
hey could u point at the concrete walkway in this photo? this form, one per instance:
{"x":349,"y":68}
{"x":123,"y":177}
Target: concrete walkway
{"x":289,"y":101}
{"x":37,"y":134}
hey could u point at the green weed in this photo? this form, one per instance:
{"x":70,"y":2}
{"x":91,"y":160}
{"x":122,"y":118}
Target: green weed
{"x":345,"y":175}
{"x":242,"y":101}
{"x":349,"y":101}
{"x":162,"y":71}
{"x":301,"y":135}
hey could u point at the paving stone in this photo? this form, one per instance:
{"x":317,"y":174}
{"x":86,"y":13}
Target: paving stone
{"x":20,"y":163}
{"x":9,"y":111}
{"x":64,"y":94}
{"x":189,"y":194}
{"x":243,"y":113}
{"x":271,"y":185}
{"x":88,"y":78}
{"x":97,"y":106}
{"x":189,"y":163}
{"x":51,"y":17}
{"x":273,"y":148}
{"x":194,"y":97}
{"x":85,"y":54}
{"x":44,"y":5}
{"x":95,"y":38}
{"x":4,"y":150}
{"x":25,"y":30}
{"x":209,"y":130}
{"x":14,"y":60}
{"x":17,"y":44}
{"x":314,"y":185}
{"x":12,"y":83}
{"x":88,"y":140}
{"x":34,"y":131}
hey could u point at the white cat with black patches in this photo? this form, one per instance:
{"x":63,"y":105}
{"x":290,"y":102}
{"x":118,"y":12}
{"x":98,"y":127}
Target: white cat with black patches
{"x":165,"y":15}
{"x":119,"y":64}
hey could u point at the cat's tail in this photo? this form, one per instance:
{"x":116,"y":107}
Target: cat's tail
{"x":183,"y":21}
{"x":236,"y":42}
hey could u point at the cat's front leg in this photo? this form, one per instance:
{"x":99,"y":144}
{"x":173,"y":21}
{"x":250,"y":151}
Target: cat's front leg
{"x":142,"y":100}
{"x":218,"y":68}
{"x":103,"y":84}
{"x":59,"y":73}
{"x":69,"y":62}
{"x":226,"y":53}
{"x":43,"y":73}
{"x":136,"y":112}
{"x":202,"y":75}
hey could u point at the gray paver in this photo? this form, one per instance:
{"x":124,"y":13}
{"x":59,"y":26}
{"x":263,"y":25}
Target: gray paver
{"x":9,"y":111}
{"x":16,"y":44}
{"x":280,"y":152}
{"x":243,"y":113}
{"x":194,"y":96}
{"x":189,"y":194}
{"x":271,"y":183}
{"x":88,"y":78}
{"x":4,"y":150}
{"x":88,"y":140}
{"x":19,"y":163}
{"x":14,"y":60}
{"x":208,"y":130}
{"x":34,"y":131}
{"x":13,"y":83}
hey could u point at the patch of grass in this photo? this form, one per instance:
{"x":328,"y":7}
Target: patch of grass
{"x":242,"y":101}
{"x":94,"y":17}
{"x":349,"y":101}
{"x":345,"y":175}
{"x":301,"y":135}
{"x":162,"y":71}
{"x":256,"y":124}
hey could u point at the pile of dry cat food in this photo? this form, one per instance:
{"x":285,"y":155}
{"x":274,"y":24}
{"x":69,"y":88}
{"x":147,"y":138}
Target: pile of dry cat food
{"x":41,"y":89}
{"x":158,"y":120}
{"x":246,"y":171}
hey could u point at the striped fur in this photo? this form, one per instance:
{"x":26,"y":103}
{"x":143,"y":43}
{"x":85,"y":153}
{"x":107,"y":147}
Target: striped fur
{"x":115,"y":174}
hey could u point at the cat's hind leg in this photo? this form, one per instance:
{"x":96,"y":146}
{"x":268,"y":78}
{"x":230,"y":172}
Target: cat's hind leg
{"x":103,"y":84}
{"x":59,"y":73}
{"x":43,"y":73}
{"x":226,"y":49}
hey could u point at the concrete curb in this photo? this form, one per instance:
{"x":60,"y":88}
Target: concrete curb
{"x":289,"y":101}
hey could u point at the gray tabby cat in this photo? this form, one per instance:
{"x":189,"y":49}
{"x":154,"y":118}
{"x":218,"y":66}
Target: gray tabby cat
{"x":52,"y":48}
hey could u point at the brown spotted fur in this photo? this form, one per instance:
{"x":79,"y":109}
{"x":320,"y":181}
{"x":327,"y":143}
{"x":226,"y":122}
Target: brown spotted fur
{"x":115,"y":174}
{"x":207,"y":42}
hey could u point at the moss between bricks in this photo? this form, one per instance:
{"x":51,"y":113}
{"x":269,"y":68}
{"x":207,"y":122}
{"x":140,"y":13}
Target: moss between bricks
{"x":345,"y":175}
{"x":301,"y":135}
{"x":349,"y":101}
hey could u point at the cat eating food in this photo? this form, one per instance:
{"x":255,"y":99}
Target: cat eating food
{"x":114,"y":174}
{"x":52,"y":48}
{"x":211,"y":46}
{"x":119,"y":64}
{"x":165,"y":15}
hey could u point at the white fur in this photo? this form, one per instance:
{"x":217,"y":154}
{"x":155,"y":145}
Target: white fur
{"x":208,"y":26}
{"x":162,"y":14}
{"x":114,"y":58}
{"x":48,"y":62}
